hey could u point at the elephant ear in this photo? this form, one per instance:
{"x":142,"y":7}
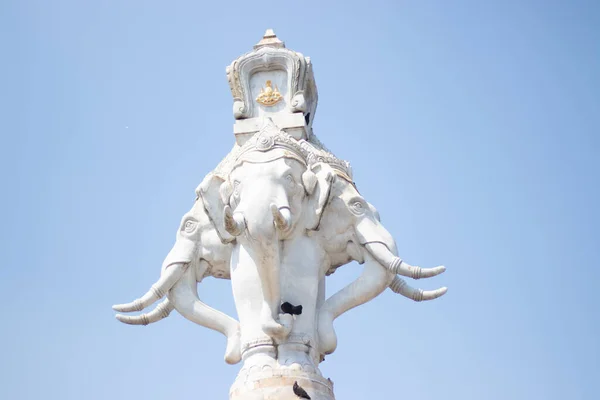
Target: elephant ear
{"x":317,"y":183}
{"x":213,"y":198}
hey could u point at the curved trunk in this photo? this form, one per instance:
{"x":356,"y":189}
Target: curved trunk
{"x":266,"y":259}
{"x":184,"y":297}
{"x":263,"y":225}
{"x":372,"y":282}
{"x":380,"y":268}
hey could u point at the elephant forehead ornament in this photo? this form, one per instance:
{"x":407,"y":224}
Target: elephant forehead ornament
{"x":269,"y":144}
{"x":277,"y":216}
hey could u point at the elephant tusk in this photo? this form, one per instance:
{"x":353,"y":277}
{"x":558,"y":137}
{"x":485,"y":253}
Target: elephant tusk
{"x":157,"y":291}
{"x":282,"y":217}
{"x":135,"y":305}
{"x":235,"y":223}
{"x":150,"y":297}
{"x":400,"y":286}
{"x":399,"y":267}
{"x":161,"y":311}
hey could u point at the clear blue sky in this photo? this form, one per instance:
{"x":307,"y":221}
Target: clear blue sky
{"x":473,"y":126}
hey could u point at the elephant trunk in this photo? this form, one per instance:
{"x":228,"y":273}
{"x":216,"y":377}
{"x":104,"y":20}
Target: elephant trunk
{"x":184,"y":297}
{"x":268,"y":262}
{"x":262,"y":217}
{"x":262,"y":242}
{"x":372,"y":282}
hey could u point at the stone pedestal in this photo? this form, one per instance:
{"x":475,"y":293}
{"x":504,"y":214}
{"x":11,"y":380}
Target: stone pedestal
{"x":277,"y":384}
{"x":270,"y":371}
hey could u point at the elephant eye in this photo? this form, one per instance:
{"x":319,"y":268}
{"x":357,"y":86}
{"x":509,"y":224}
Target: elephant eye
{"x":357,"y":207}
{"x":236,"y":188}
{"x":189,"y":226}
{"x":289,"y":179}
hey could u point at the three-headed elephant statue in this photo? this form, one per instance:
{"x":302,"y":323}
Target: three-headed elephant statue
{"x":283,"y":216}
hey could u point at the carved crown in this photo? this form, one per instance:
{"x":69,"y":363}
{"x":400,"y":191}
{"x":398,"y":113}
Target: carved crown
{"x":271,"y":143}
{"x":273,"y":81}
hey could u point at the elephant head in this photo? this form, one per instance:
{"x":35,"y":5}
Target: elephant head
{"x":199,"y":251}
{"x":270,"y":196}
{"x":351,"y":229}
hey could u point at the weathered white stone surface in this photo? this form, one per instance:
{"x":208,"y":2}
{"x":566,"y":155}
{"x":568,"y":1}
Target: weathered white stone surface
{"x":277,"y":216}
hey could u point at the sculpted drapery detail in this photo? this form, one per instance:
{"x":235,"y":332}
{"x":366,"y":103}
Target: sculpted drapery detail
{"x":278,"y":215}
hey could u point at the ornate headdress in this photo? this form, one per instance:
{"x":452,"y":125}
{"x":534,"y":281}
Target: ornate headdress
{"x":273,"y":81}
{"x":270,"y":143}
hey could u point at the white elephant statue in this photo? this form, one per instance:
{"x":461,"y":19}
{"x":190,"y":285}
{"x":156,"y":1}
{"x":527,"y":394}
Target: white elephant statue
{"x":283,"y":226}
{"x":276,"y":216}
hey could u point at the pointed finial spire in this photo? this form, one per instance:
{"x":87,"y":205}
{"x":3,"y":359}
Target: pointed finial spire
{"x":269,"y":39}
